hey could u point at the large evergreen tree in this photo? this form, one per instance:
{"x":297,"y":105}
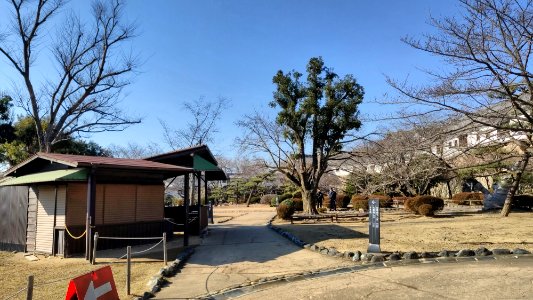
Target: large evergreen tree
{"x":315,"y":119}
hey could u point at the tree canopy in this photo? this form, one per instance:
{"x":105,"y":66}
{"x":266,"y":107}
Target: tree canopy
{"x":90,"y":62}
{"x":316,"y":118}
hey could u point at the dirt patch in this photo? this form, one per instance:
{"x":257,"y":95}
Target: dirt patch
{"x":225,"y":213}
{"x":52,"y":274}
{"x":401,"y":231}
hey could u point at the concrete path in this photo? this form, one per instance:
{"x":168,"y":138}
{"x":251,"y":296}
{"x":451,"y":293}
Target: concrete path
{"x":502,"y":278}
{"x":241,"y":250}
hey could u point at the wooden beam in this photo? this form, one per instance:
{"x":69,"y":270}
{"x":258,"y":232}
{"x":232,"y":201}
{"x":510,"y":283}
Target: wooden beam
{"x":91,"y":210}
{"x":186,"y":201}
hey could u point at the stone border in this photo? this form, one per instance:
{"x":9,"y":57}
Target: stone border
{"x":157,"y":281}
{"x":395,"y":256}
{"x":249,"y":287}
{"x":367,"y":261}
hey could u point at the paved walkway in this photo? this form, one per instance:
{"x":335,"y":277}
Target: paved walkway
{"x":503,"y":278}
{"x":241,"y":250}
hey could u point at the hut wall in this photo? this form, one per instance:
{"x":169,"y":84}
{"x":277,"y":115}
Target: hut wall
{"x":150,"y":202}
{"x":32,"y":219}
{"x":120,"y":200}
{"x":116,"y":203}
{"x":13,"y":217}
{"x":49,"y":210}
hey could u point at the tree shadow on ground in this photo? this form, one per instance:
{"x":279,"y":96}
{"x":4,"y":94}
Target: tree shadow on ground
{"x":314,"y":233}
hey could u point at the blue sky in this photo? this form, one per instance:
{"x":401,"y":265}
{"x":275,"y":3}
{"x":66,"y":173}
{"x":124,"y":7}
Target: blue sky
{"x":232,"y":49}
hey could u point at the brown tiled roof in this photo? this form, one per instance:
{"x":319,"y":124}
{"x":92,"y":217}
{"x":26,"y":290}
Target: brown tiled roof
{"x":102,"y":162}
{"x":84,"y":161}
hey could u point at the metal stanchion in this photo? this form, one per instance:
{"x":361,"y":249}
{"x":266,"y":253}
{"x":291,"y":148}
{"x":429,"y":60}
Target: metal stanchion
{"x":93,"y":261}
{"x":128,"y":270}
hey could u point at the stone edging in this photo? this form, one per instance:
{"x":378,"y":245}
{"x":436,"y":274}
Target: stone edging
{"x":368,"y":261}
{"x":249,"y":287}
{"x":157,"y":281}
{"x":380,"y":257}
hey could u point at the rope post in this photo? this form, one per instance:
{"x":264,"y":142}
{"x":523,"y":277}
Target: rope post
{"x":211,"y":220}
{"x":29,"y":294}
{"x":93,"y":261}
{"x":128,"y":270}
{"x":165,"y":248}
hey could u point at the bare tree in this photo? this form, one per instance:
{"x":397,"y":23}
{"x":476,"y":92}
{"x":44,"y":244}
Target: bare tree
{"x":400,"y":161}
{"x":203,"y":127}
{"x":91,"y":68}
{"x":487,"y":78}
{"x":134,"y":150}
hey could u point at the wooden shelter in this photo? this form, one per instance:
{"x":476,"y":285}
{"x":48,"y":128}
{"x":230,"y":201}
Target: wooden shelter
{"x":69,"y":196}
{"x":205,"y":168}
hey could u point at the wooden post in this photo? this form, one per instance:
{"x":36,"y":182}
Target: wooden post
{"x":91,"y":209}
{"x":186,"y":200}
{"x":93,"y":261}
{"x":128,"y":270}
{"x":29,"y":291}
{"x":199,"y":174}
{"x":165,"y":248}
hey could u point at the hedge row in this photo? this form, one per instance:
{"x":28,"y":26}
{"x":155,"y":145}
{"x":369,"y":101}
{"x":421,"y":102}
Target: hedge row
{"x":361,"y":201}
{"x":424,"y":205}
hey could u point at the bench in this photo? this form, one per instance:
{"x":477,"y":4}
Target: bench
{"x":310,"y":217}
{"x":350,"y":216}
{"x":334,"y":217}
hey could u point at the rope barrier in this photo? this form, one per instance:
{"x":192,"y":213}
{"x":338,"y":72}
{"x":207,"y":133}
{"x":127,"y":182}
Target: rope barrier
{"x":41,"y":284}
{"x":139,"y":252}
{"x":128,"y":238}
{"x":174,"y":223}
{"x":75,"y":237}
{"x":15,"y":294}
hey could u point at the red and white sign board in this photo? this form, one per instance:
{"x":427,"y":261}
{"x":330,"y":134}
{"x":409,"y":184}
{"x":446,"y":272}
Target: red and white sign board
{"x":97,"y":285}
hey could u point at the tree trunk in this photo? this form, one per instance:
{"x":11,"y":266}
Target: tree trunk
{"x":450,"y":195}
{"x":309,"y":202}
{"x":249,"y":197}
{"x":516,"y":183}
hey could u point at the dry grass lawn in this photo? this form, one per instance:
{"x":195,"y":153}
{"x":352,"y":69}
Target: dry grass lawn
{"x":401,"y":231}
{"x":224,"y":213}
{"x":52,"y":274}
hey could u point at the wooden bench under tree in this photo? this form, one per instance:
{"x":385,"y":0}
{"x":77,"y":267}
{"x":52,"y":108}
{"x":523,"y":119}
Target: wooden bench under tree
{"x":333,"y":217}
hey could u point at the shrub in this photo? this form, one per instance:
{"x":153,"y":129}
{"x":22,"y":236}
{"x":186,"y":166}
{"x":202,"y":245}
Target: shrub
{"x":297,"y":195}
{"x":461,"y":198}
{"x":426,"y":210}
{"x":298,"y":204}
{"x":414,"y":205}
{"x":267,"y":199}
{"x":384,"y":200}
{"x":255,"y":199}
{"x":357,"y":201}
{"x":285,"y":209}
{"x":523,"y":202}
{"x":284,"y":197}
{"x":401,"y":199}
{"x":273,"y":202}
{"x":408,"y":205}
{"x":342,"y":200}
{"x":360,"y":202}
